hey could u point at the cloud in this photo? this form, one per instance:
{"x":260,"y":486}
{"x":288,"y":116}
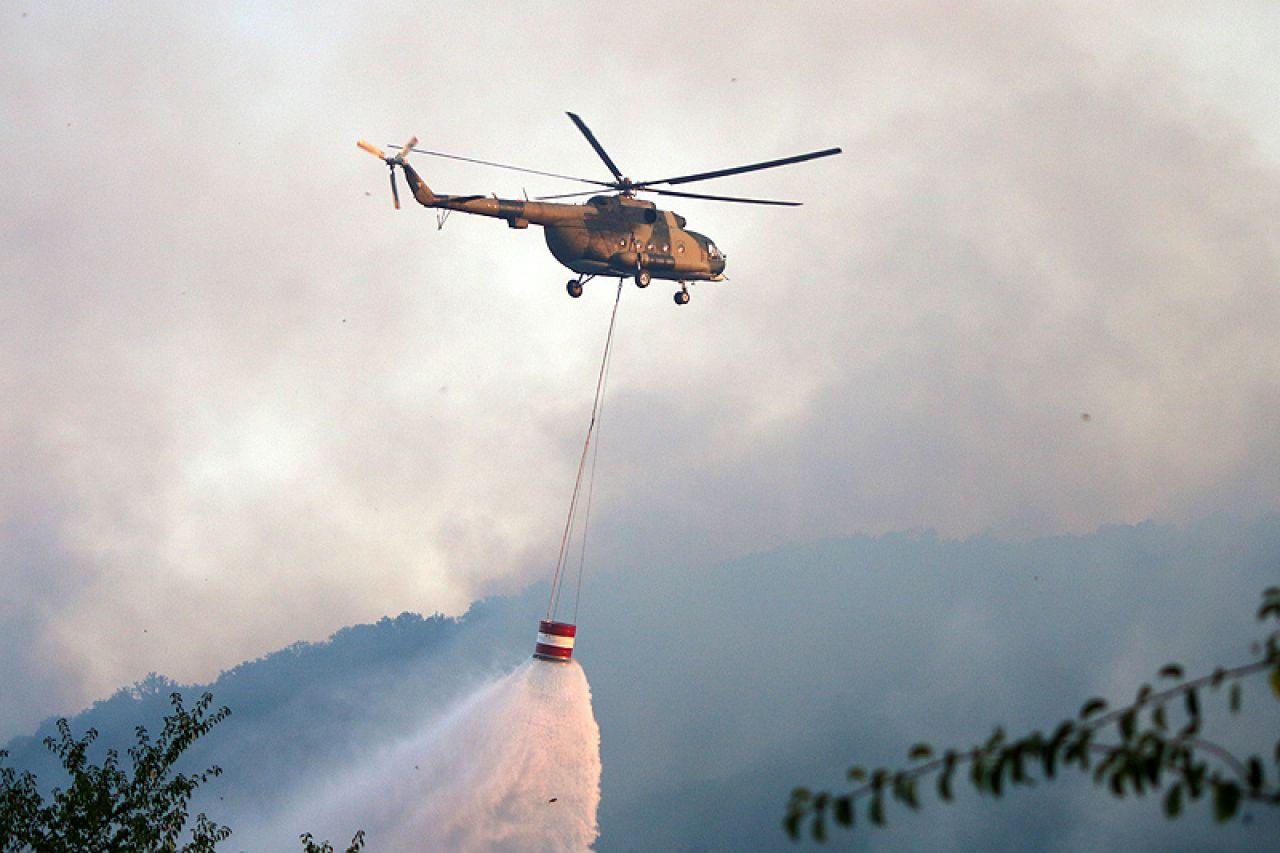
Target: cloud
{"x":248,"y":403}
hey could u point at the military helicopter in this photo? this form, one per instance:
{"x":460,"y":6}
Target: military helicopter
{"x":611,"y":236}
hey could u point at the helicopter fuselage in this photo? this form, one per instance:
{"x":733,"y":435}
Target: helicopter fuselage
{"x":609,"y":235}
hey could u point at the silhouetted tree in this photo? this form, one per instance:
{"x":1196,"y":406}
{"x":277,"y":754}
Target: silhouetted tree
{"x":105,"y":807}
{"x":1160,"y":747}
{"x":309,"y":844}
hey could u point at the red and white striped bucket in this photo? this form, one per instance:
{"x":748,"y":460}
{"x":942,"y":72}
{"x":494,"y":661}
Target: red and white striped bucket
{"x":555,"y":641}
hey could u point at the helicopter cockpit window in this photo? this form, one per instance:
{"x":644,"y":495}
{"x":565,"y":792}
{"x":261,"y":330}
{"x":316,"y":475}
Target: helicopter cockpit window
{"x":712,"y":251}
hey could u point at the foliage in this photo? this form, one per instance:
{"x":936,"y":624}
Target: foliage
{"x":105,"y":807}
{"x":309,"y":844}
{"x":1160,"y":748}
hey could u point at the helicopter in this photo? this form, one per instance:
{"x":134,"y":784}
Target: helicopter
{"x":612,"y":236}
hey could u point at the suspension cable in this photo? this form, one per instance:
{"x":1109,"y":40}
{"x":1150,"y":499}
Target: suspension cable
{"x":596,"y":409}
{"x":591,"y":484}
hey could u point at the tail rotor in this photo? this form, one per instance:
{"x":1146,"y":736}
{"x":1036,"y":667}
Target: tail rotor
{"x":391,"y":162}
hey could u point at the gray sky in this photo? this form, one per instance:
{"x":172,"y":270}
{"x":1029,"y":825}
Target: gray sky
{"x":248,"y":403}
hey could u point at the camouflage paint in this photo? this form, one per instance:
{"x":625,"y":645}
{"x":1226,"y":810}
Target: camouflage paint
{"x":609,"y":235}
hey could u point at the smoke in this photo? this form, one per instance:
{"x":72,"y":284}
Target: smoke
{"x":514,"y":765}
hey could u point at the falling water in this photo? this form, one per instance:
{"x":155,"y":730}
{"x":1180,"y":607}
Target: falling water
{"x":515,"y":765}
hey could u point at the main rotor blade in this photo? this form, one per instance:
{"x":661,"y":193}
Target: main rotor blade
{"x":372,"y":149}
{"x":568,"y":195}
{"x":754,"y":167}
{"x":595,"y":143}
{"x":395,"y":193}
{"x":682,"y":195}
{"x":721,"y":197}
{"x":503,"y":166}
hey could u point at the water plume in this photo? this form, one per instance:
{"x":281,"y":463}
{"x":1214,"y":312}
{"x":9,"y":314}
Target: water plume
{"x":514,"y":765}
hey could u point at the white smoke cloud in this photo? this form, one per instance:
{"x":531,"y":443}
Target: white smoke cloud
{"x":246,"y":403}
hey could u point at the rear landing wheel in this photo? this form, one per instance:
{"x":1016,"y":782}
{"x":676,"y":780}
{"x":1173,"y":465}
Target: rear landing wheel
{"x":574,"y":287}
{"x":682,"y":297}
{"x":643,"y":278}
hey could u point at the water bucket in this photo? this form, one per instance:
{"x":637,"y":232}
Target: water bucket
{"x":555,"y":641}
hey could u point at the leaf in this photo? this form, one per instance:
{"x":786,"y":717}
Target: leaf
{"x":1226,"y":801}
{"x":1151,"y":769}
{"x":857,"y":773}
{"x":1134,"y":770}
{"x":790,"y":823}
{"x":909,"y":793}
{"x":1049,"y":759}
{"x":1173,"y":801}
{"x":1128,"y":724}
{"x":1100,"y":772}
{"x":1018,"y":772}
{"x":1275,"y":681}
{"x":978,"y":772}
{"x":1049,"y":752}
{"x":1194,"y":773}
{"x":1255,"y":773}
{"x":797,"y":809}
{"x":818,"y":828}
{"x":1171,"y":670}
{"x":1078,"y":752}
{"x":899,"y":785}
{"x":1234,"y":698}
{"x":876,"y":812}
{"x":843,"y":810}
{"x":1092,"y":707}
{"x":1193,"y":704}
{"x":920,"y":751}
{"x":1157,"y":717}
{"x":944,"y":778}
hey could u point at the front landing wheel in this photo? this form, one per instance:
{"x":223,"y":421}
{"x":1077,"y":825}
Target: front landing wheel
{"x":643,"y":278}
{"x":682,"y":297}
{"x":574,"y":287}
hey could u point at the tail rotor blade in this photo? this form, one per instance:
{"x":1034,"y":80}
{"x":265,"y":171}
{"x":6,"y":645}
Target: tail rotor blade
{"x":372,"y":149}
{"x":395,"y":193}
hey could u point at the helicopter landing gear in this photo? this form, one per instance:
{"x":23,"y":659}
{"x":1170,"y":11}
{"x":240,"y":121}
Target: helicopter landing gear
{"x":682,"y":295}
{"x":643,"y":278}
{"x":575,"y":285}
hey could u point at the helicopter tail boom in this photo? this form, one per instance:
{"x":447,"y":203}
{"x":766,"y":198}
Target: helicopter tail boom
{"x":421,"y":191}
